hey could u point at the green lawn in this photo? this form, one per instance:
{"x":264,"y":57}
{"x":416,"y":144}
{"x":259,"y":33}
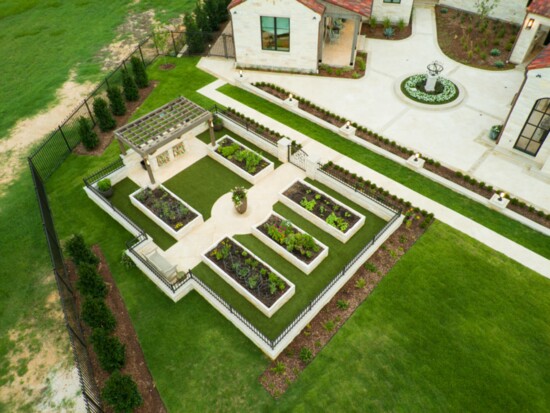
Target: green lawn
{"x":121,"y":200}
{"x":45,"y":40}
{"x":203,"y":183}
{"x":493,"y":220}
{"x":307,"y":286}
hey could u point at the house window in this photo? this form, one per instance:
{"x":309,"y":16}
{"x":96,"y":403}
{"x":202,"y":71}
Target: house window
{"x":392,"y":1}
{"x":536,"y":128}
{"x":275,"y":33}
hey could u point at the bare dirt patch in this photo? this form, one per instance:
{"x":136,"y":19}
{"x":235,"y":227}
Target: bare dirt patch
{"x":31,"y":130}
{"x":41,"y":366}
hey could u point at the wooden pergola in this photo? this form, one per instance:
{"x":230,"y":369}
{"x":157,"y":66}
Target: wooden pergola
{"x":161,"y":126}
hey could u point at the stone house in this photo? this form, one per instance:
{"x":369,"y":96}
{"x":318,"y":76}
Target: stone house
{"x":298,"y":35}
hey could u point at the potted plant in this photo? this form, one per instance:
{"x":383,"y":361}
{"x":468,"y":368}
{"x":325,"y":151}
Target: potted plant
{"x":105,"y":188}
{"x":494,"y":132}
{"x":239,"y":199}
{"x":218,"y":123}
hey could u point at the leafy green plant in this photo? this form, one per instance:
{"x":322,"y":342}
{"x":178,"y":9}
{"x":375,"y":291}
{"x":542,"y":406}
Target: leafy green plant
{"x":389,"y":32}
{"x":126,"y":261}
{"x":499,"y":64}
{"x":386,"y":23}
{"x":121,"y":393}
{"x":103,"y":115}
{"x":308,"y":205}
{"x":306,"y":355}
{"x":87,"y":135}
{"x":360,"y":283}
{"x":329,"y":325}
{"x":373,"y":22}
{"x":369,"y":266}
{"x":79,"y":251}
{"x":104,"y":185}
{"x":116,"y":101}
{"x":96,"y":314}
{"x":131,"y":92}
{"x":495,"y":52}
{"x":401,"y":24}
{"x":90,"y":282}
{"x":140,"y":74}
{"x":342,"y":304}
{"x":238,"y":195}
{"x":280,"y":368}
{"x":275,"y":283}
{"x":109,"y":350}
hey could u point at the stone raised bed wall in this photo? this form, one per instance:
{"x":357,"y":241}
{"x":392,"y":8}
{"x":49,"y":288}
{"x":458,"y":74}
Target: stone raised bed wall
{"x":248,"y":135}
{"x":283,"y":252}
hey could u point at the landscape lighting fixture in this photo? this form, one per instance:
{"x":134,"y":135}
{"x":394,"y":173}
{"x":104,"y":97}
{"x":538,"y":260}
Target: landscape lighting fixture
{"x":530,"y":24}
{"x":501,"y":196}
{"x":240,"y":73}
{"x":416,"y":156}
{"x":290,"y":97}
{"x":348,"y":123}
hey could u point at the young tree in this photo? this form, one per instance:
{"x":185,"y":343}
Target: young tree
{"x":485,"y":7}
{"x":116,"y":101}
{"x":202,"y":19}
{"x":140,"y":73}
{"x":87,"y":135}
{"x":103,"y":115}
{"x":130,"y":88}
{"x":121,"y":393}
{"x":194,"y":37}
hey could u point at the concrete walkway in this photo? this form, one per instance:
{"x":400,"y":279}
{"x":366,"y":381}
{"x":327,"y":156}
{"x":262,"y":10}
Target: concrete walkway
{"x":320,"y":152}
{"x":457,"y":137}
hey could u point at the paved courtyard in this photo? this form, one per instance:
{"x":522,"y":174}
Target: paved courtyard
{"x":457,"y":137}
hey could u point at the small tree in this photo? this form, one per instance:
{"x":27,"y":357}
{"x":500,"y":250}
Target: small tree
{"x":121,"y":393}
{"x":103,"y":115}
{"x":109,"y":350}
{"x":118,"y":107}
{"x":97,"y":315}
{"x":90,"y":282}
{"x":485,"y":7}
{"x":79,"y":251}
{"x":140,"y":73}
{"x":87,"y":135}
{"x":202,"y":19}
{"x":194,"y":37}
{"x":130,"y":88}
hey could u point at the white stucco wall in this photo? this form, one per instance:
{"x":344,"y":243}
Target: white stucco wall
{"x":509,"y":10}
{"x":535,"y":88}
{"x":304,"y":35}
{"x":529,"y":37}
{"x":395,"y":11}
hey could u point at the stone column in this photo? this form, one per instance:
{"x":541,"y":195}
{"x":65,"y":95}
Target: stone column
{"x":211,"y":131}
{"x":149,"y":170}
{"x":524,"y":41}
{"x":283,"y":148}
{"x":122,"y":147}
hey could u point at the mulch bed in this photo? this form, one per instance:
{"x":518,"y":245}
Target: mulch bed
{"x":356,"y":72}
{"x":105,"y":138}
{"x":473,"y":185}
{"x":378,"y":32}
{"x":135,"y":361}
{"x":332,"y":317}
{"x":462,"y":37}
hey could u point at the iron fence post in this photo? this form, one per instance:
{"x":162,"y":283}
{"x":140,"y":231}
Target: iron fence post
{"x":141,"y":55}
{"x":174,"y":43}
{"x":64,"y":138}
{"x":89,"y":111}
{"x":225,"y":46}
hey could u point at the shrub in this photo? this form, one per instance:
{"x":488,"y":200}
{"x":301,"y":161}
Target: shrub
{"x":509,"y":46}
{"x":306,"y":355}
{"x":195,"y":38}
{"x":103,"y":115}
{"x":109,"y":350}
{"x":97,"y":315}
{"x":360,"y":283}
{"x":140,"y":73}
{"x":342,"y":304}
{"x":121,"y":393}
{"x":369,"y":266}
{"x":104,"y":185}
{"x":79,"y":251}
{"x":116,"y":101}
{"x":444,"y":10}
{"x":401,"y":24}
{"x":483,"y":55}
{"x":373,"y":22}
{"x":389,"y":32}
{"x":495,"y":52}
{"x":126,"y":261}
{"x":90,"y":282}
{"x":129,"y":85}
{"x":386,"y":23}
{"x":87,"y":135}
{"x":279,"y":368}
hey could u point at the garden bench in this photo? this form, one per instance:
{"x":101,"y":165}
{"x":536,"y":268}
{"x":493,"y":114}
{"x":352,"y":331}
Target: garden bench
{"x":162,"y":264}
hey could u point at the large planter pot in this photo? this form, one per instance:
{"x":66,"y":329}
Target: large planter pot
{"x":218,"y":127}
{"x":241,"y":208}
{"x":493,"y":134}
{"x":108,"y":193}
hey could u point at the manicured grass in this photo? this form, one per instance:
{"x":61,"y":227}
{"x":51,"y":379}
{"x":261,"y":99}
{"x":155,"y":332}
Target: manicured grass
{"x":493,"y":220}
{"x":203,"y":183}
{"x":205,"y":137}
{"x":307,"y":286}
{"x":121,"y":200}
{"x":454,"y":327}
{"x":45,"y":40}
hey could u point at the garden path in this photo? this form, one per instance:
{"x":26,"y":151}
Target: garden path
{"x":319,"y":152}
{"x":457,"y":137}
{"x":225,"y":221}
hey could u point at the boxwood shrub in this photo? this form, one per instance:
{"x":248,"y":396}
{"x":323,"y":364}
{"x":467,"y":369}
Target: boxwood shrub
{"x":109,"y":350}
{"x":79,"y":251}
{"x":90,"y":282}
{"x":121,"y":393}
{"x":96,"y":314}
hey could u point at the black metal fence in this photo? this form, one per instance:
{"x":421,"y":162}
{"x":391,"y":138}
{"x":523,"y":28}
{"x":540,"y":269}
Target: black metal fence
{"x":89,"y":388}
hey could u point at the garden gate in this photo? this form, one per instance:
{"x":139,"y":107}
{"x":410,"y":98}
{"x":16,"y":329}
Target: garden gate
{"x":298,"y":158}
{"x":223,"y":47}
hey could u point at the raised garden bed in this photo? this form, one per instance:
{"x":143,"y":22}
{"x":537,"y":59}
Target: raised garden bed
{"x":167,"y":210}
{"x":414,"y":88}
{"x":469,"y":39}
{"x":255,"y":280}
{"x":291,"y":242}
{"x":241,"y":160}
{"x":479,"y":187}
{"x":321,"y":209}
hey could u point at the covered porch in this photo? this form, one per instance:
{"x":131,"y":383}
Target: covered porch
{"x":338,"y":44}
{"x":535,"y":32}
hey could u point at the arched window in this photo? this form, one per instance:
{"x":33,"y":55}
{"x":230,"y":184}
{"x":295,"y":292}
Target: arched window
{"x":536,"y":128}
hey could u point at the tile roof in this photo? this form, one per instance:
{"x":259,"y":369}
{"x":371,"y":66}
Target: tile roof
{"x":362,"y":7}
{"x":311,"y":4}
{"x":540,"y":7}
{"x":542,"y":60}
